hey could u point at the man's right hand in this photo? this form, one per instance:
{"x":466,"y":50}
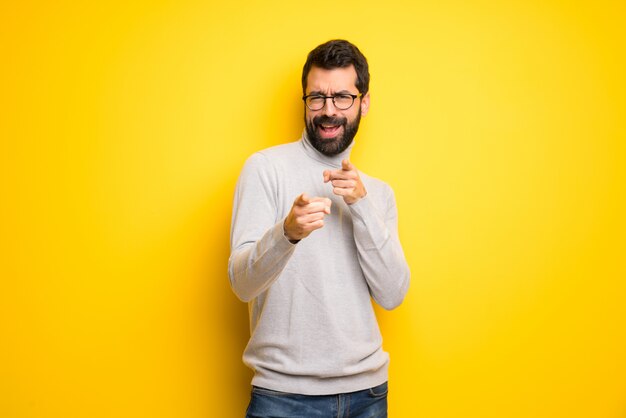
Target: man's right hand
{"x":306,"y":215}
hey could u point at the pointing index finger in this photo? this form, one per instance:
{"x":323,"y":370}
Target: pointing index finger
{"x":326,"y":201}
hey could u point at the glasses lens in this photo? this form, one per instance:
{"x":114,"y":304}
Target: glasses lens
{"x":343,"y":101}
{"x":315,"y":102}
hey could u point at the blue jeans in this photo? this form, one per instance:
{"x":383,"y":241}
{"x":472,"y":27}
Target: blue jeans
{"x":368,"y":403}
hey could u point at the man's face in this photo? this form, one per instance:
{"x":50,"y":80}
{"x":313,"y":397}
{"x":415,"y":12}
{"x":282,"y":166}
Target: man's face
{"x":329,"y":129}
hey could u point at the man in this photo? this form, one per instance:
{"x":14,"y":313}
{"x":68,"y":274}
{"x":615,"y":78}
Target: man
{"x":312,"y":239}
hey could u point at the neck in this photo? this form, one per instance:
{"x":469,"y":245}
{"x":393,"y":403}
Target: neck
{"x":331,"y":160}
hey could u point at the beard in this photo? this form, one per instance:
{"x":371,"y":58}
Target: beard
{"x":338,"y":144}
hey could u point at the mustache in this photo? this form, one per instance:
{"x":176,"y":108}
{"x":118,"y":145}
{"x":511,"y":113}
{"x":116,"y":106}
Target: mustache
{"x":329,"y":120}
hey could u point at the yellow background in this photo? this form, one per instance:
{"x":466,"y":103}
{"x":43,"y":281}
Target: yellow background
{"x":500,"y":125}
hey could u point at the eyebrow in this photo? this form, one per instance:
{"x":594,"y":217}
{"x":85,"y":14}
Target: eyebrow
{"x":319,"y":93}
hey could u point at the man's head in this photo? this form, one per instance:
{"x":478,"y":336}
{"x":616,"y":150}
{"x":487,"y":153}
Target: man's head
{"x":334,"y":69}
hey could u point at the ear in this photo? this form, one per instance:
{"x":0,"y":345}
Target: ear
{"x":365,"y":104}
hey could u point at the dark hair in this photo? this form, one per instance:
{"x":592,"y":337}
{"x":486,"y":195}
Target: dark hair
{"x":338,"y":54}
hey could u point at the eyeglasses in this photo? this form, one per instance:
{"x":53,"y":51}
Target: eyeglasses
{"x":340,"y":101}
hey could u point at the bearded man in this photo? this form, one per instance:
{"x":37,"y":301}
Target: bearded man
{"x":313,"y":240}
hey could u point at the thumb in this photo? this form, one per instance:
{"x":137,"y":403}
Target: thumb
{"x":346,"y":165}
{"x":326,"y":176}
{"x":302,"y":200}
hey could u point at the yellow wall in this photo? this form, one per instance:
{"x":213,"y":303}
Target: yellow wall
{"x":500,"y":125}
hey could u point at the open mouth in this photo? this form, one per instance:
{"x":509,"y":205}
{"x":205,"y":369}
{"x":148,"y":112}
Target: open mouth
{"x":328,"y":130}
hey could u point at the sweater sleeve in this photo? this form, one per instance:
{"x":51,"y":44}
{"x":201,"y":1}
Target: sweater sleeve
{"x":379,"y":251}
{"x":259,"y":249}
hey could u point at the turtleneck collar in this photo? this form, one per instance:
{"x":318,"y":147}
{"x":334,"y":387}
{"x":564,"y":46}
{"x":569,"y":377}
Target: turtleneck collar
{"x":333,"y":161}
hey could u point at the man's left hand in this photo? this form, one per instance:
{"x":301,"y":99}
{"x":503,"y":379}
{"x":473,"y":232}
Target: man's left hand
{"x":346,"y":182}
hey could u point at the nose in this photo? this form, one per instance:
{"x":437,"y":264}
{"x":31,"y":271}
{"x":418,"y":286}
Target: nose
{"x":329,"y":108}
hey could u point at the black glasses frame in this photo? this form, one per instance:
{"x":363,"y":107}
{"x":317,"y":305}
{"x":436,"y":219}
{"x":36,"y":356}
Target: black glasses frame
{"x":354,"y":97}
